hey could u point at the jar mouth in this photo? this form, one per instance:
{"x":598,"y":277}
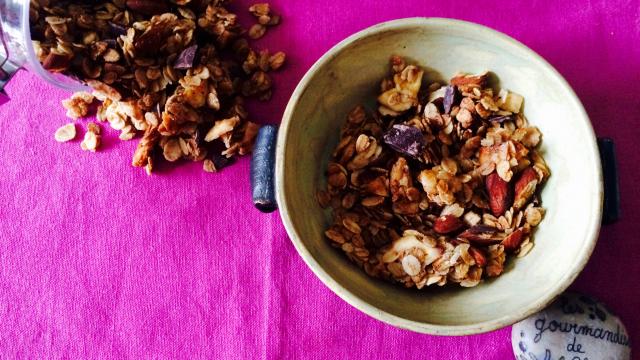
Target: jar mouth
{"x":34,"y":65}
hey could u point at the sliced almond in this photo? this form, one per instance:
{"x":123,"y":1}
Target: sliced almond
{"x":66,"y":133}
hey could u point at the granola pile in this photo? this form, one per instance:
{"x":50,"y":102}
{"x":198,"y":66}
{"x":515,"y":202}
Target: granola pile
{"x":177,"y":72}
{"x":439,"y":185}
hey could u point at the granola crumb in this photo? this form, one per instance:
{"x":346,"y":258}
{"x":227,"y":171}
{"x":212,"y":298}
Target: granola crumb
{"x":257,"y":31}
{"x":78,"y":105}
{"x":276,"y":61}
{"x":92,"y":138}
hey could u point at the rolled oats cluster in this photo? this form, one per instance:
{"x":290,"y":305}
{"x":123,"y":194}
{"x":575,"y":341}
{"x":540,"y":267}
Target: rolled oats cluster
{"x":176,"y":72}
{"x":439,"y":185}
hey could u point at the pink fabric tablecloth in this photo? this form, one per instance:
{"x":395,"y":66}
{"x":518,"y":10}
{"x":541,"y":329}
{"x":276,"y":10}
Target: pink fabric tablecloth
{"x":97,"y":260}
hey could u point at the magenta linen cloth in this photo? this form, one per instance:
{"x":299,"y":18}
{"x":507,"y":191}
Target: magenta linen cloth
{"x":98,"y":260}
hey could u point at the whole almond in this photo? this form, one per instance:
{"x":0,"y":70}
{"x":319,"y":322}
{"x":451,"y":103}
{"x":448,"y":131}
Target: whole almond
{"x":513,"y":240}
{"x":148,"y":7}
{"x":56,"y":62}
{"x":500,"y":194}
{"x":446,"y":224}
{"x":525,"y":187}
{"x":150,"y":41}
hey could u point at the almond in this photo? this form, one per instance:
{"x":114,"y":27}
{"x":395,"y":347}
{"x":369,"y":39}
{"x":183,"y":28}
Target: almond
{"x":66,"y":133}
{"x":482,"y":234}
{"x":151,"y":41}
{"x":500,"y":194}
{"x":446,"y":224}
{"x":56,"y":62}
{"x":525,"y":187}
{"x":478,"y":256}
{"x":148,"y":7}
{"x":513,"y":240}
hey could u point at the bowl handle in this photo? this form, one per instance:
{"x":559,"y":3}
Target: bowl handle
{"x":611,"y":205}
{"x":263,"y":163}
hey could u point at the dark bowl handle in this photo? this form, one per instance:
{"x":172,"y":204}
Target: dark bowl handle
{"x":263,"y":164}
{"x":611,"y":205}
{"x":264,"y":159}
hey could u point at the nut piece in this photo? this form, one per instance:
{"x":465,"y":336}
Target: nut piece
{"x":525,"y":187}
{"x":55,"y":62}
{"x":513,"y":240}
{"x":447,"y":224}
{"x":66,"y":133}
{"x":482,"y":234}
{"x":500,"y":194}
{"x":478,"y":256}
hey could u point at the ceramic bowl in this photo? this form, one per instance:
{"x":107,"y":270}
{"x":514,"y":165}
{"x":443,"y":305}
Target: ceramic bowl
{"x":349,"y":74}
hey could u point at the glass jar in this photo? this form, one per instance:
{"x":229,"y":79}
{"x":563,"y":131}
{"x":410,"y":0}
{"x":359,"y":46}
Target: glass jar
{"x":16,"y":49}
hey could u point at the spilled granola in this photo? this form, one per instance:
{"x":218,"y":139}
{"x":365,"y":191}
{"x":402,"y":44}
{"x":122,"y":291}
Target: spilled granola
{"x":175,"y":72}
{"x":438,"y":185}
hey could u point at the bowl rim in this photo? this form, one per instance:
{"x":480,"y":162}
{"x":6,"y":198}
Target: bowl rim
{"x":375,"y":312}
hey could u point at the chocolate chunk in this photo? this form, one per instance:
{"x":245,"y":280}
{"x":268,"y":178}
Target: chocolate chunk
{"x":449,"y":98}
{"x":185,"y":60}
{"x":220,"y":162}
{"x":482,"y":234}
{"x":405,"y":139}
{"x":112,"y":43}
{"x":501,"y":118}
{"x":117,"y":29}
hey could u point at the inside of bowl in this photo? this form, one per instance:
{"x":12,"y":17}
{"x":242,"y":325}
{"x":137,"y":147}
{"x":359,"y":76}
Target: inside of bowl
{"x":572,"y":195}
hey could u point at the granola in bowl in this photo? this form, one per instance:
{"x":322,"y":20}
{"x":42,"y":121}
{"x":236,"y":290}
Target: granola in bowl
{"x":174,"y":72}
{"x":438,"y":185}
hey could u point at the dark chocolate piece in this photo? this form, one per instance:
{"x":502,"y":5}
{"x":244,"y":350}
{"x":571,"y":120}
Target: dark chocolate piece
{"x":405,"y":139}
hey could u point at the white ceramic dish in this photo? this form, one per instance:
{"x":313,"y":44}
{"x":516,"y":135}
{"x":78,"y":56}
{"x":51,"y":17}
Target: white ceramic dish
{"x":349,"y":74}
